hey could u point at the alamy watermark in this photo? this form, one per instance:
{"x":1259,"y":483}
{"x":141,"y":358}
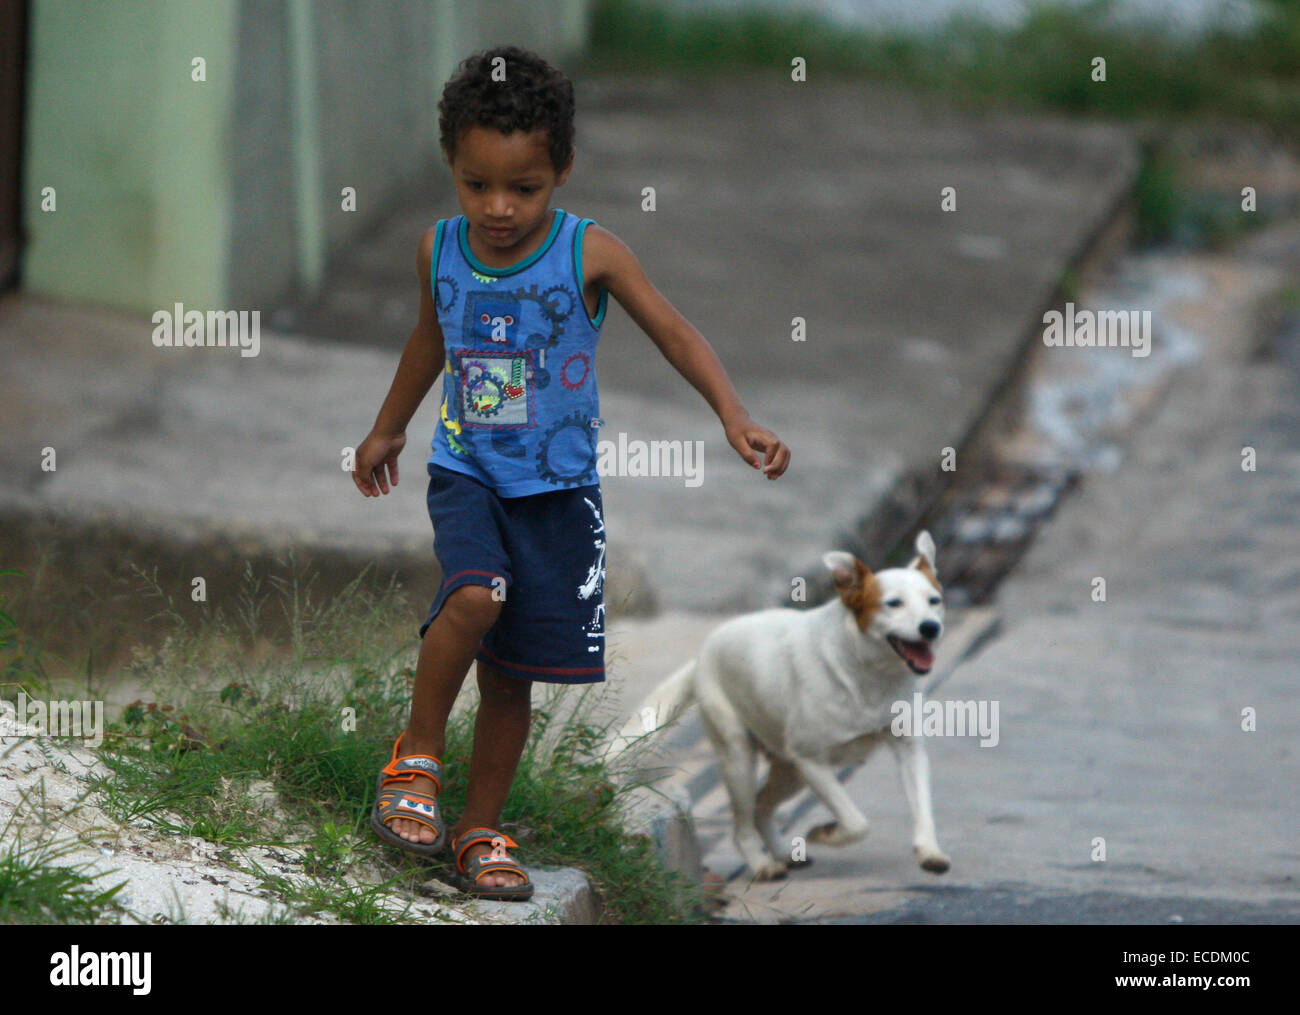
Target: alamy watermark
{"x":34,"y":718}
{"x":921,"y":718}
{"x":179,"y":327}
{"x":75,"y":968}
{"x":1128,"y":329}
{"x":634,"y":457}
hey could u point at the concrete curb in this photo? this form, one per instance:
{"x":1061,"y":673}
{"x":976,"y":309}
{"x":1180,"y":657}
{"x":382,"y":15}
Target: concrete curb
{"x":562,"y":895}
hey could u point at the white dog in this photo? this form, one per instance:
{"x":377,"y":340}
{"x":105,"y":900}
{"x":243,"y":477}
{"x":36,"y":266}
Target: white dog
{"x":814,"y":690}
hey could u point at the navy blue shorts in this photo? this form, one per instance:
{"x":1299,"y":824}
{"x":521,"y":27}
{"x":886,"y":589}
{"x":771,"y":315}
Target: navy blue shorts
{"x":546,"y":555}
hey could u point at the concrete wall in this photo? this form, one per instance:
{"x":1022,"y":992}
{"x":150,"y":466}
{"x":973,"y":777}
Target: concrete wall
{"x":226,"y":193}
{"x":137,"y":152}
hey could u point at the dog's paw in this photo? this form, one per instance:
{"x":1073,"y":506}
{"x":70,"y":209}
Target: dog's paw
{"x":831,"y":834}
{"x":934,"y":862}
{"x":769,"y":870}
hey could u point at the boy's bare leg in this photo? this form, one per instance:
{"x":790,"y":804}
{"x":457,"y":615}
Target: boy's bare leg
{"x":500,"y":732}
{"x":500,"y":729}
{"x":446,"y":651}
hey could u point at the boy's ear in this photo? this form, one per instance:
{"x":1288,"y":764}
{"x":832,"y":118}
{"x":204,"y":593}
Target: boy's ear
{"x":564,"y":173}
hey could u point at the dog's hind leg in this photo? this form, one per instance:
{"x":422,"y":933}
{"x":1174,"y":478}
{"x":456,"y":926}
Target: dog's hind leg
{"x":914,"y":766}
{"x":783,"y":782}
{"x":737,"y":753}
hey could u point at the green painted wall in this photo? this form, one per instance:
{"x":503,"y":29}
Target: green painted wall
{"x":135,"y":150}
{"x":225,"y":193}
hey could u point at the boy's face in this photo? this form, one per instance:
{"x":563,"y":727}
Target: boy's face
{"x":504,"y":184}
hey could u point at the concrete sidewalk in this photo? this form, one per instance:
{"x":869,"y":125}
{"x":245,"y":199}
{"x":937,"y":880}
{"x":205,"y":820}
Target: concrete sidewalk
{"x":819,"y":202}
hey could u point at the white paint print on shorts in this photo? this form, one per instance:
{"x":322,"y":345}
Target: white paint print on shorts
{"x":595,"y":582}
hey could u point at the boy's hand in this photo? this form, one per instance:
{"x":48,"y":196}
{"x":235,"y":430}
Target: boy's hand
{"x":747,"y":437}
{"x":376,"y":462}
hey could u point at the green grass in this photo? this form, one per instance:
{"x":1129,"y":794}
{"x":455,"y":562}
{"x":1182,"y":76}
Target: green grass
{"x":188,"y":766}
{"x":19,"y":664}
{"x":1046,"y":62}
{"x":35,"y":889}
{"x":1168,"y":208}
{"x":249,"y":745}
{"x":1159,"y":197}
{"x":38,"y":887}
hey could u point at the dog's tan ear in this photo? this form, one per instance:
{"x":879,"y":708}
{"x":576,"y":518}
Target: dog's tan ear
{"x":856,"y":585}
{"x":846,"y":570}
{"x":924,"y":560}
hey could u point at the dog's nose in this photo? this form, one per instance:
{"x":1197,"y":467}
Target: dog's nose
{"x":930,"y":630}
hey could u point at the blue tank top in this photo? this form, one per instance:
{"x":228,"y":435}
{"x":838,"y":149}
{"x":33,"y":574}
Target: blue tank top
{"x":519,"y":403}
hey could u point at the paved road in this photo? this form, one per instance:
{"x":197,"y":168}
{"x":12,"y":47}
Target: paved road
{"x":1122,"y":720}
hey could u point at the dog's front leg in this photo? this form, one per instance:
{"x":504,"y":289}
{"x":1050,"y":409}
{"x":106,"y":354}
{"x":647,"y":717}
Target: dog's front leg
{"x":914,"y":766}
{"x":850,"y":824}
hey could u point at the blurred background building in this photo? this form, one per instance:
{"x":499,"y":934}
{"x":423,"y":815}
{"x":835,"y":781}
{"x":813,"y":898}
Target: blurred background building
{"x":195,"y":149}
{"x":213,"y":183}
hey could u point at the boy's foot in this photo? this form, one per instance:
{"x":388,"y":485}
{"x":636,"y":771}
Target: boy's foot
{"x":424,"y":829}
{"x":413,"y":831}
{"x":503,"y":878}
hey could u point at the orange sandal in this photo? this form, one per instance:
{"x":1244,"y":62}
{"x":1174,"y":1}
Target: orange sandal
{"x":497,"y":860}
{"x":391,"y":801}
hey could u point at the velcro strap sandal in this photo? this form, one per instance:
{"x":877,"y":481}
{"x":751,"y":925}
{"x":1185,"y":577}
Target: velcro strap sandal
{"x":468,"y":874}
{"x":393,"y":801}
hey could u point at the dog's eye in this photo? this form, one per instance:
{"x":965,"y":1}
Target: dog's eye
{"x":934,"y":600}
{"x":894,"y":604}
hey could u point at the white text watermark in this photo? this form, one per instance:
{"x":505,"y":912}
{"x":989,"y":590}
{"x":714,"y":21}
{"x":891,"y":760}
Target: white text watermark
{"x":31,"y":717}
{"x":1128,"y":329}
{"x":921,"y":718}
{"x":181,"y":328}
{"x":625,"y":457}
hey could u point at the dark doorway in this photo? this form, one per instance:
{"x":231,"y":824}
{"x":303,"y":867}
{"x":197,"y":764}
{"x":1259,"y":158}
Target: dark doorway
{"x":13,"y":74}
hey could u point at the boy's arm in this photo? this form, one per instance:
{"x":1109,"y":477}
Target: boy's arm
{"x":421,"y":362}
{"x":614,"y":267}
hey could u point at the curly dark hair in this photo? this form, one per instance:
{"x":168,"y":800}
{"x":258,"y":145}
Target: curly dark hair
{"x":533,"y":96}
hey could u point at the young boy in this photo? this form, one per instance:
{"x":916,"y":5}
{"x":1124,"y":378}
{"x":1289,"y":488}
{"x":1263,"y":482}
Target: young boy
{"x":512,"y":297}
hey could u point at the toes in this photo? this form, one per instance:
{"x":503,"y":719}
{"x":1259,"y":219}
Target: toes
{"x":496,"y":879}
{"x":413,"y":831}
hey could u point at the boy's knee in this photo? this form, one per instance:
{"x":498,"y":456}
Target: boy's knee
{"x":474,"y":607}
{"x":492,"y":683}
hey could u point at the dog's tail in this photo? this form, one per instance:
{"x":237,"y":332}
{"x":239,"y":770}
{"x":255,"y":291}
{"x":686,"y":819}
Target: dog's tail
{"x":665,"y":703}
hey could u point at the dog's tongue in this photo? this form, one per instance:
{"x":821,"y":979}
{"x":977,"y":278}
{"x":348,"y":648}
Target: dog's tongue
{"x":919,"y":654}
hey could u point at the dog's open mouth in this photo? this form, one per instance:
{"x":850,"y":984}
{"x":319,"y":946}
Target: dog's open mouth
{"x":917,"y":654}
